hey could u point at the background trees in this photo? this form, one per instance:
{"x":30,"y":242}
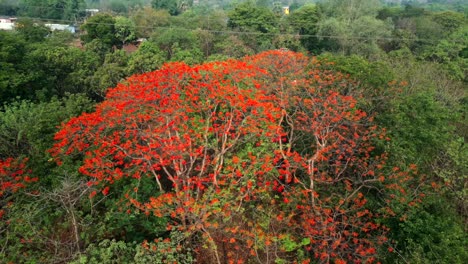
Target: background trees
{"x":305,"y":21}
{"x":125,"y":30}
{"x":9,"y":7}
{"x":56,"y":9}
{"x":100,"y":28}
{"x":174,"y":7}
{"x":353,"y":27}
{"x":148,"y":19}
{"x":250,"y":18}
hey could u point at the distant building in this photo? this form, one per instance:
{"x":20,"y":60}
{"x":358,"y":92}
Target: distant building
{"x":7,"y":23}
{"x":91,"y":12}
{"x":7,"y":19}
{"x":61,"y":27}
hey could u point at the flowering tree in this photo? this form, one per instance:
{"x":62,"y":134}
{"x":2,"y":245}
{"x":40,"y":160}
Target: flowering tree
{"x":262,"y":159}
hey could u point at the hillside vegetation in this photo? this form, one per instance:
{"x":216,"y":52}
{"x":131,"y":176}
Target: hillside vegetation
{"x":171,"y":131}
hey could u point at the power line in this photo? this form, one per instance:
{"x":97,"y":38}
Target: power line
{"x":253,"y":33}
{"x":231,"y":32}
{"x":203,"y":18}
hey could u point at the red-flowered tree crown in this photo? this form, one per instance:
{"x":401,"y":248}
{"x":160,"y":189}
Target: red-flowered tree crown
{"x":261,"y":157}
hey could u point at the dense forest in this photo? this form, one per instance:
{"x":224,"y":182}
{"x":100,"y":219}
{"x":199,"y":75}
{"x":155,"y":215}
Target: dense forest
{"x":218,"y":131}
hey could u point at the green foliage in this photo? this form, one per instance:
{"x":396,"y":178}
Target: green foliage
{"x":373,"y":78}
{"x":420,"y":117}
{"x":350,"y":9}
{"x":60,"y":38}
{"x":60,"y":70}
{"x":191,"y":57}
{"x":350,"y":27}
{"x":170,"y":40}
{"x":98,"y":48}
{"x":27,"y":128}
{"x":425,"y":28}
{"x":118,"y":6}
{"x":31,"y":31}
{"x":111,"y":72}
{"x":413,"y":11}
{"x":107,"y":252}
{"x":147,"y":20}
{"x":147,"y":58}
{"x":174,"y":7}
{"x":40,"y":223}
{"x":420,"y":112}
{"x":449,"y":53}
{"x":233,"y":47}
{"x":160,"y":251}
{"x":304,"y":20}
{"x":53,"y":9}
{"x":18,"y":234}
{"x":45,"y":227}
{"x":391,"y":12}
{"x":60,"y":222}
{"x":100,"y":27}
{"x":419,"y":126}
{"x":450,"y":20}
{"x":375,"y":74}
{"x":125,"y":30}
{"x":291,"y":245}
{"x":438,"y":5}
{"x":206,"y":41}
{"x":12,"y":79}
{"x":451,"y":167}
{"x":431,"y":233}
{"x":9,"y":7}
{"x":248,"y":17}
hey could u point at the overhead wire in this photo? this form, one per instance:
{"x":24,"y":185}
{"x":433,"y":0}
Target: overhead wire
{"x":205,"y":18}
{"x":234,"y":32}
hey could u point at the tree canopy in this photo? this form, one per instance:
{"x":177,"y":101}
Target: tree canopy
{"x":245,"y":154}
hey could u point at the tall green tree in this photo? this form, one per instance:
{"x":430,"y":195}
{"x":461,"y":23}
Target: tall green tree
{"x":147,"y":58}
{"x":109,"y":74}
{"x":12,"y":50}
{"x":63,"y":69}
{"x":100,"y":27}
{"x":31,"y":31}
{"x":53,"y":9}
{"x":125,"y":30}
{"x":452,"y":54}
{"x":304,"y":20}
{"x":260,"y":23}
{"x":170,"y":40}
